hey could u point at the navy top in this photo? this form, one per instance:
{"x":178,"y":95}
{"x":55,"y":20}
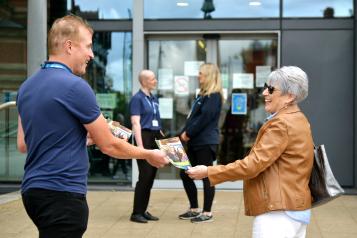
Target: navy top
{"x":202,"y":125}
{"x":53,"y":105}
{"x":147,"y":107}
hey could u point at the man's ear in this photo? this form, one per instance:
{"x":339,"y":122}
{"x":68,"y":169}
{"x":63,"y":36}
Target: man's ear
{"x":68,"y":46}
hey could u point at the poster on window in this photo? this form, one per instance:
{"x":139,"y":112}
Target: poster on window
{"x":239,"y":104}
{"x":191,"y":68}
{"x":165,"y":79}
{"x":225,"y":80}
{"x":166,"y":108}
{"x":261,"y":75}
{"x":106,"y":100}
{"x":243,"y":80}
{"x":181,"y":85}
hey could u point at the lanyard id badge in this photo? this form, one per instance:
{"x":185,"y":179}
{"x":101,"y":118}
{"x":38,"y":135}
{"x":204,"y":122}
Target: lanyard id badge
{"x":155,"y":122}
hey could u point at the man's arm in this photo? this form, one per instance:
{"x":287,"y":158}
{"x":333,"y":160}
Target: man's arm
{"x":135,"y":121}
{"x":21,"y":145}
{"x":118,"y":148}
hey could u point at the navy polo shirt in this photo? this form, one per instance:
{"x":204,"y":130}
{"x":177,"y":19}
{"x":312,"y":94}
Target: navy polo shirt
{"x":53,"y":105}
{"x":147,"y":107}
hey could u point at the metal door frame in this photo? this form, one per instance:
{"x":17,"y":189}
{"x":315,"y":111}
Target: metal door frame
{"x":212,"y":56}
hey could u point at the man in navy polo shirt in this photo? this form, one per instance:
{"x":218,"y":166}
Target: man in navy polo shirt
{"x":57,"y":110}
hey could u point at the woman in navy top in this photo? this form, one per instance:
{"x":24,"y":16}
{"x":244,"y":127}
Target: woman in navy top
{"x":202,"y":136}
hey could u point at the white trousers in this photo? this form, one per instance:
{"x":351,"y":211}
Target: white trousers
{"x":277,"y":224}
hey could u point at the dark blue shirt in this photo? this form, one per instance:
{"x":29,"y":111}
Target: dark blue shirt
{"x":202,"y":125}
{"x":53,"y":105}
{"x":147,"y":107}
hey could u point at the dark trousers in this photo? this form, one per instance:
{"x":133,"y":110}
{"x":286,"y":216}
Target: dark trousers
{"x":57,"y":214}
{"x":204,"y":155}
{"x":147,"y":174}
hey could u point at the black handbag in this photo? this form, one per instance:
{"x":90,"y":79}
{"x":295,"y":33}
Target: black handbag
{"x":323,"y":185}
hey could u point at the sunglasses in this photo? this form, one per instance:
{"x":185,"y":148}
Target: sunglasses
{"x":270,"y":88}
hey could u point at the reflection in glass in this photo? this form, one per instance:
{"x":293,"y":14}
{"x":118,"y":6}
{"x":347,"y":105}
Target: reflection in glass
{"x":318,"y":8}
{"x":110,"y":76}
{"x":240,"y":58}
{"x":207,"y":8}
{"x":193,"y":9}
{"x":104,"y":9}
{"x":13,"y":71}
{"x":175,"y":63}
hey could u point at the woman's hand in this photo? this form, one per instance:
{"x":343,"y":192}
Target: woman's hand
{"x":198,"y":172}
{"x":184,"y":137}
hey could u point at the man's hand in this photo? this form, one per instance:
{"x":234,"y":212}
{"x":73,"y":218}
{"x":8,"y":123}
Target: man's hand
{"x":157,"y":159}
{"x":90,"y":140}
{"x":198,"y":172}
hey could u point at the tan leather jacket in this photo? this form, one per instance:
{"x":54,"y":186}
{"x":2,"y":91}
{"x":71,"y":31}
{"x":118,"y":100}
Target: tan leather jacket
{"x":277,"y":170}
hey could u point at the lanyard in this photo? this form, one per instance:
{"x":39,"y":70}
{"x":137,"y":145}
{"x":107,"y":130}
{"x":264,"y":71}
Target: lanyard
{"x":152,"y":104}
{"x":195,"y":102}
{"x":193,"y":105}
{"x":55,"y":65}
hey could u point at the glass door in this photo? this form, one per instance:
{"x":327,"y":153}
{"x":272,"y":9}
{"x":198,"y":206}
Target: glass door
{"x":175,"y":63}
{"x":245,"y":65}
{"x":245,"y":60}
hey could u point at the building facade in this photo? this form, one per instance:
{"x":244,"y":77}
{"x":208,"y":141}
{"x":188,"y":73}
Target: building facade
{"x":246,"y":38}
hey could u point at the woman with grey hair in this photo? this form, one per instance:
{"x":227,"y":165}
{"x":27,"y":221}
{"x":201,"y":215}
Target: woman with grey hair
{"x":277,"y":170}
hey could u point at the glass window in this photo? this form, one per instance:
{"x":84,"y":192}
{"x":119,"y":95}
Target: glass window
{"x":110,"y":75}
{"x":13,"y":71}
{"x":104,"y":9}
{"x":206,"y":9}
{"x":318,"y":8}
{"x":245,"y":65}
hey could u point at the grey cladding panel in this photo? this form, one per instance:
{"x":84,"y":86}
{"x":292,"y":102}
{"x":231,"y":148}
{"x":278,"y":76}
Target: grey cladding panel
{"x":327,"y":58}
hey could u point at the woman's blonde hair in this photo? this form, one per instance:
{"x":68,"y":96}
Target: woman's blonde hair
{"x":63,"y":29}
{"x":212,"y":82}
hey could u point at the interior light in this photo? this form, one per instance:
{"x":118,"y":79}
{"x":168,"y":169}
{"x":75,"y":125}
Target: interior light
{"x":201,"y":44}
{"x":255,"y":3}
{"x":182,"y":4}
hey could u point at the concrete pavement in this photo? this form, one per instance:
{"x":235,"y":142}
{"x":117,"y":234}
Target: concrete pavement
{"x":110,"y":211}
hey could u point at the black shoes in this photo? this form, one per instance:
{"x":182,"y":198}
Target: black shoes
{"x":138,"y":218}
{"x":143,"y":218}
{"x":202,"y":218}
{"x":189,"y":215}
{"x":150,"y":217}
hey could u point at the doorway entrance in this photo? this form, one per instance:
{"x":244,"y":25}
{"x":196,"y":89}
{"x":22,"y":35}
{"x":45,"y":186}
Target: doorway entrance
{"x":245,"y":60}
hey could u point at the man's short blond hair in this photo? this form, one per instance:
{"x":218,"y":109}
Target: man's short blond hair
{"x":65,"y":28}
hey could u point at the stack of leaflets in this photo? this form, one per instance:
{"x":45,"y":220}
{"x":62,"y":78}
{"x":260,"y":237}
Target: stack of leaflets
{"x":119,"y":130}
{"x":175,"y":152}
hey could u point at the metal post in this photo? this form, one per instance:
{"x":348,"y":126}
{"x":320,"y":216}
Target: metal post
{"x":138,"y":59}
{"x":36,"y":34}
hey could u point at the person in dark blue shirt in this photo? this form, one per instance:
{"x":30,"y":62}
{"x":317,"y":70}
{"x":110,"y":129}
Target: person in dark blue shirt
{"x":58,"y":118}
{"x":202,"y":136}
{"x":145,"y":118}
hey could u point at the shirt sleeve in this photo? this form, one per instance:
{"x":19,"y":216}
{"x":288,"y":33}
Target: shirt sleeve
{"x":135,"y":106}
{"x":81,"y":102}
{"x":264,"y":153}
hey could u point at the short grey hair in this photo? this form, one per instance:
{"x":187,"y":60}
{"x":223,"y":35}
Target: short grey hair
{"x":290,"y":79}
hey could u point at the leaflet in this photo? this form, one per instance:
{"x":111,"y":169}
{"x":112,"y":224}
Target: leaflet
{"x":119,"y":130}
{"x":175,"y":152}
